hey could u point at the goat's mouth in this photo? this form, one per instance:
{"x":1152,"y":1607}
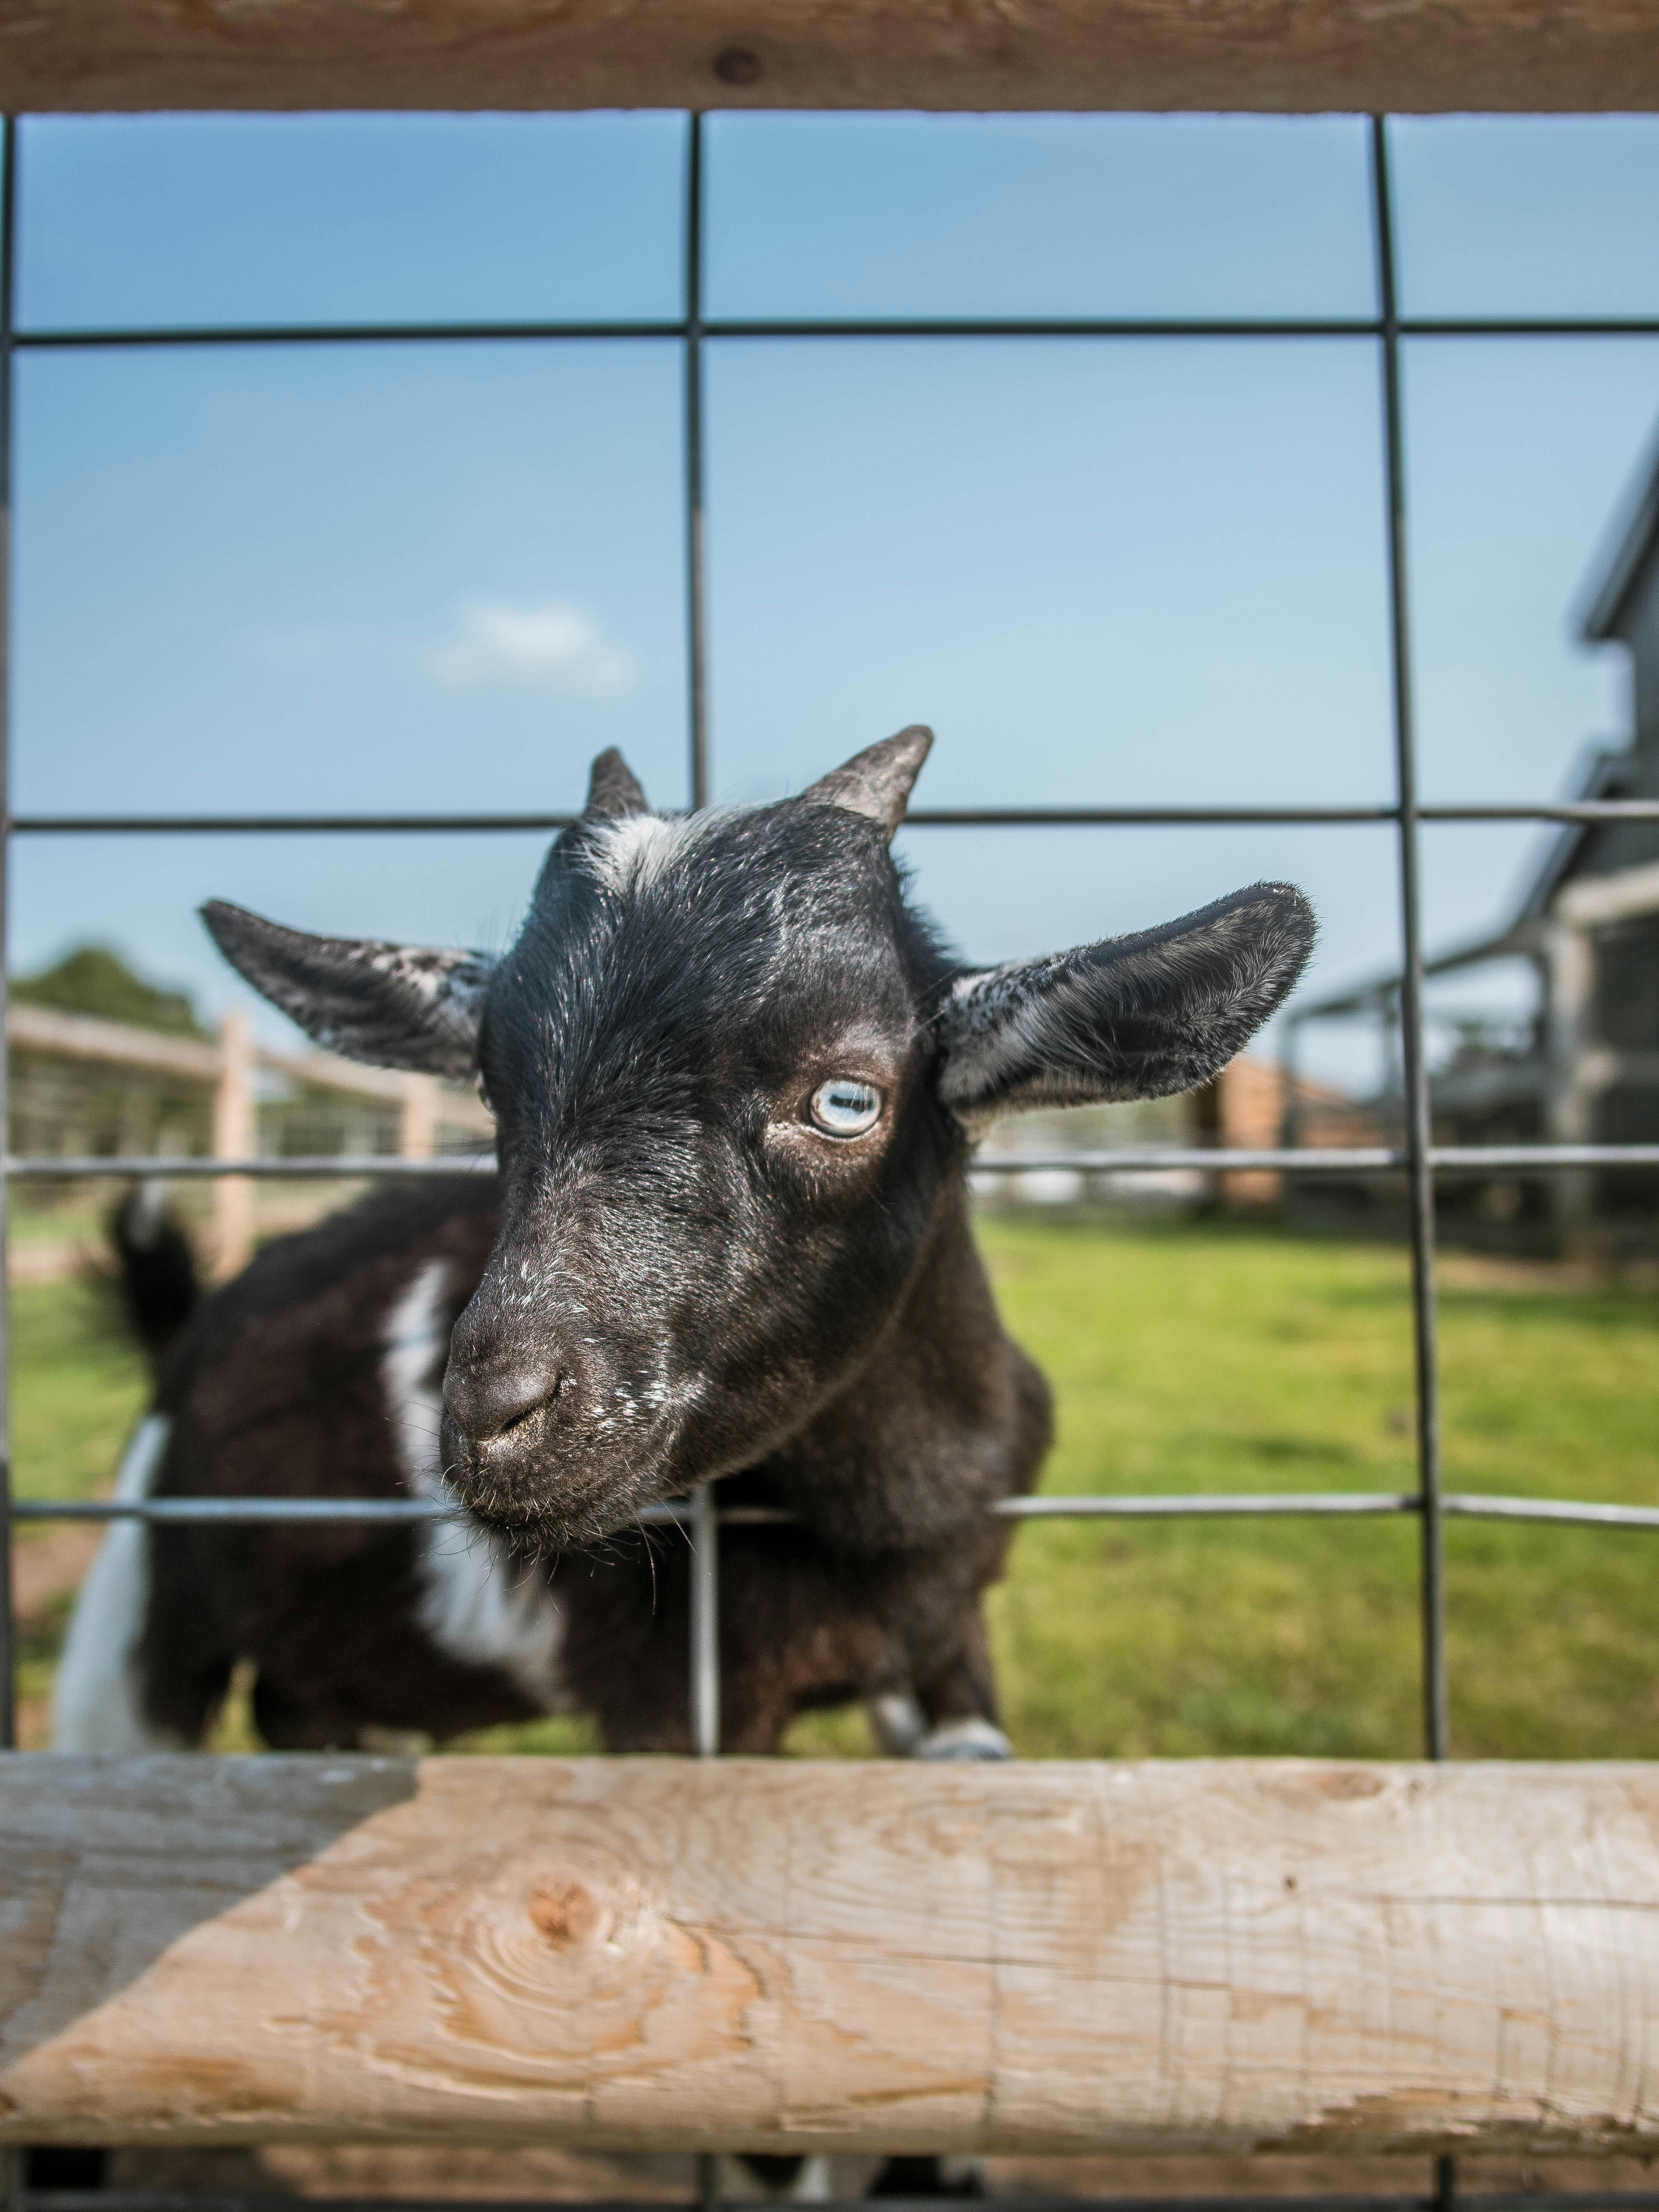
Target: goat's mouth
{"x":542,"y":1504}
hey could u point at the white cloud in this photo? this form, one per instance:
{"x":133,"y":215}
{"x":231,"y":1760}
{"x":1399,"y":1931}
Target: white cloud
{"x":546,"y":644}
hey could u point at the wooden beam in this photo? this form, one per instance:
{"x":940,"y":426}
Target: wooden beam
{"x":1291,"y":55}
{"x":638,"y":1954}
{"x":57,"y":1036}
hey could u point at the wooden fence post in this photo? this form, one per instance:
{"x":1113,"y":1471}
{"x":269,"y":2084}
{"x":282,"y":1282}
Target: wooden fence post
{"x":235,"y":1136}
{"x":418,"y":1123}
{"x":1569,"y":973}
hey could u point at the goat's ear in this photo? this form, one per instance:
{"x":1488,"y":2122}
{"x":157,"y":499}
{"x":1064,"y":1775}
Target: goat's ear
{"x":876,"y":783}
{"x":1131,"y":1018}
{"x":613,"y":788}
{"x":394,"y":1005}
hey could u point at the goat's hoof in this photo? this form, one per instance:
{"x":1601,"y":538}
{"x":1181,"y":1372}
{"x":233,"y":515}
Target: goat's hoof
{"x":969,"y":1739}
{"x":930,"y":2177}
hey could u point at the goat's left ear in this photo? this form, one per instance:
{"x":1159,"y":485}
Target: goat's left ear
{"x":394,"y":1005}
{"x":1131,"y":1018}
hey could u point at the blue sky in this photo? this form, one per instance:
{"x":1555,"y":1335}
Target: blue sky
{"x":414,"y":577}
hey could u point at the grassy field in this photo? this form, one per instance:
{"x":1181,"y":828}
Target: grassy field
{"x":1221,"y":1357}
{"x":1210,"y":1356}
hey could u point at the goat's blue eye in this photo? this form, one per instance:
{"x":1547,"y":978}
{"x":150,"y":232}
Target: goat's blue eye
{"x":844,"y":1107}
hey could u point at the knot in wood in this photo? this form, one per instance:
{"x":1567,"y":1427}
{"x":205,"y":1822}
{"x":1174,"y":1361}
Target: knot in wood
{"x":565,"y":1913}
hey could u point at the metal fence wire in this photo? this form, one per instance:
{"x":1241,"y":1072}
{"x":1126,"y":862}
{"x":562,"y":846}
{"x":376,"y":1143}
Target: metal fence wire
{"x":1418,"y":1158}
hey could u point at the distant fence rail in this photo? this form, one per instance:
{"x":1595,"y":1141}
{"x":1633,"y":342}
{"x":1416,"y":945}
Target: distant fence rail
{"x":429,"y":1114}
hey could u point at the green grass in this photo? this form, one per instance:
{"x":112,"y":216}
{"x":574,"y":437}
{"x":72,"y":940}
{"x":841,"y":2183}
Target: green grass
{"x":78,"y":1385}
{"x":1228,"y":1356}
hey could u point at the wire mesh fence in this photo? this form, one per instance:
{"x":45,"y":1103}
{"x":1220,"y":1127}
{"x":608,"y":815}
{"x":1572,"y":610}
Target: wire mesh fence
{"x":1417,"y":1159}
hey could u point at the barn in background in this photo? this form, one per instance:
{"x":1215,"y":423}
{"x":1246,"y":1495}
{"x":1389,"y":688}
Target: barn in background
{"x":1583,"y":1066}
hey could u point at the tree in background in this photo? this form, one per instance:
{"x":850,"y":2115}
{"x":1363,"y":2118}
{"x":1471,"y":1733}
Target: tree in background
{"x":94,"y":979}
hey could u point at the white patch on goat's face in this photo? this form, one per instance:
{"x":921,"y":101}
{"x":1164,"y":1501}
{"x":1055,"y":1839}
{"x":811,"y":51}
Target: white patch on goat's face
{"x":478,"y":1604}
{"x":97,"y":1702}
{"x":628,"y":853}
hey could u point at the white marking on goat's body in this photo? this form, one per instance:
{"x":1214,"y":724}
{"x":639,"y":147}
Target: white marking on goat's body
{"x":97,"y":1701}
{"x":477,"y":1603}
{"x":898,"y":1721}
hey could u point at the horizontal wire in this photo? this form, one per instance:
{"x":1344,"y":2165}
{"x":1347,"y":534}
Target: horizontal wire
{"x":1146,"y":1159}
{"x":113,"y":336}
{"x":310,"y":334}
{"x":1356,"y":1159}
{"x":398,"y":1510}
{"x":274,"y":825}
{"x":1210,"y":1506}
{"x":354,"y":1167}
{"x":1224,"y":1505}
{"x":922,"y":818}
{"x":1494,"y":2200}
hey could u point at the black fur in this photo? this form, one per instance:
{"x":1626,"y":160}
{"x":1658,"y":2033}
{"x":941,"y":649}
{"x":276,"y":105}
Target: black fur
{"x":160,"y":1288}
{"x":277,"y":1388}
{"x":691,"y":1276}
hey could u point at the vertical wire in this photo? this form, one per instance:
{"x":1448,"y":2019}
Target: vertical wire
{"x":1420,"y":1175}
{"x":12,"y":2173}
{"x":695,"y":617}
{"x":706,"y":1709}
{"x":705,"y":1622}
{"x":8,"y":283}
{"x":705,"y":1526}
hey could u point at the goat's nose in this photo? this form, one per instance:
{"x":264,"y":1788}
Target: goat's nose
{"x":489,"y":1402}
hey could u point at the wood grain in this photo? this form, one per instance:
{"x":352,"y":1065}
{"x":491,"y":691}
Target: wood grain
{"x":1291,"y":55}
{"x":771,"y":1955}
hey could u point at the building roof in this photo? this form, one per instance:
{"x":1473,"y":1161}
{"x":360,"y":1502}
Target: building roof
{"x":1603,"y":773}
{"x":1608,"y":598}
{"x":1600,"y":775}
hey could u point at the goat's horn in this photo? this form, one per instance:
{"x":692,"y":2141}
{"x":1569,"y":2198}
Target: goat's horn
{"x":876,"y":783}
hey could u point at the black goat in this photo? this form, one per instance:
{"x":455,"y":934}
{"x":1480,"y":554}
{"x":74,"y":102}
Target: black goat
{"x":736,"y":1077}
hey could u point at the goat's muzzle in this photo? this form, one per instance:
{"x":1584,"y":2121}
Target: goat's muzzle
{"x":531,"y":1441}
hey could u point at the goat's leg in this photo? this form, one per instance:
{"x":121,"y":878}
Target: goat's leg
{"x":787,"y":2180}
{"x":64,"y":2165}
{"x":930,"y":2177}
{"x":951,"y":1711}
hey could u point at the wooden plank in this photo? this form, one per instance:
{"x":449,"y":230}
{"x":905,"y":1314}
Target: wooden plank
{"x":1266,"y":54}
{"x":57,"y":1036}
{"x":773,"y":1956}
{"x":449,"y":1103}
{"x":111,"y":1044}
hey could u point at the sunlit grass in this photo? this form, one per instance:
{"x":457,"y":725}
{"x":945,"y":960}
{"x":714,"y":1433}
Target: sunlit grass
{"x":78,"y":1385}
